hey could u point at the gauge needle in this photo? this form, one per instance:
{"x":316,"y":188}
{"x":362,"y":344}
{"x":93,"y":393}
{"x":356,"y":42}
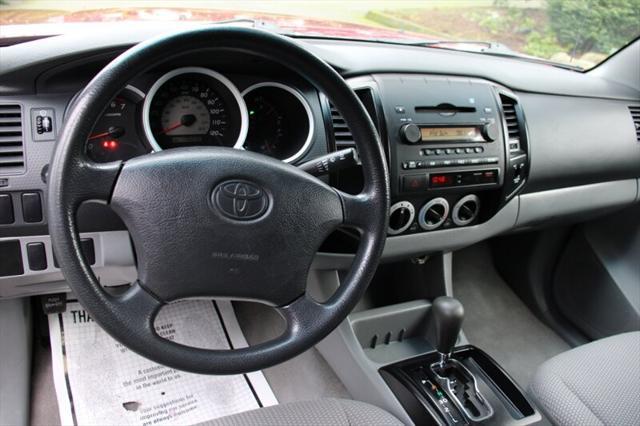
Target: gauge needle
{"x":114,"y":132}
{"x":185,"y":120}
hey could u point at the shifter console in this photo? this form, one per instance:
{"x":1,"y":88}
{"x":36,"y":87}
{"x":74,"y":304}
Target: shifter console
{"x":455,"y":386}
{"x":462,"y":387}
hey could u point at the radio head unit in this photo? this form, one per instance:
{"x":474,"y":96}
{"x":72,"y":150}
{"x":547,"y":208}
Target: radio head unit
{"x":444,"y":134}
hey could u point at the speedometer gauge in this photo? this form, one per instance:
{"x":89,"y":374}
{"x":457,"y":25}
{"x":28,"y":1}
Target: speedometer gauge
{"x":194,"y":107}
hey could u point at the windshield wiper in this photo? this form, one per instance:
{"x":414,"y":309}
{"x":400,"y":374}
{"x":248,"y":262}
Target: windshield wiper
{"x":489,"y":48}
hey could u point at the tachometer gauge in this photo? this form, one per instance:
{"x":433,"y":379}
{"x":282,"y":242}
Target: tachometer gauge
{"x":280,"y":121}
{"x":194,"y":107}
{"x":115,"y":135}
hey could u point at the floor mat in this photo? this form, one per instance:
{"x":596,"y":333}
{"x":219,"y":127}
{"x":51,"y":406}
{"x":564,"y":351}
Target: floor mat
{"x":497,"y":321}
{"x":98,"y":381}
{"x":261,"y":323}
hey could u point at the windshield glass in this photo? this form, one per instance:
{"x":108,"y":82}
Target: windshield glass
{"x":578,"y":33}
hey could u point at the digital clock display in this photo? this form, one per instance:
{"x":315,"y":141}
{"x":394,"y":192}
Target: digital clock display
{"x":446,"y":134}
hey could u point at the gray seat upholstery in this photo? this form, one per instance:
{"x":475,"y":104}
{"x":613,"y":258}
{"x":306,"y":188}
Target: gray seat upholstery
{"x":594,"y":384}
{"x":320,"y":412}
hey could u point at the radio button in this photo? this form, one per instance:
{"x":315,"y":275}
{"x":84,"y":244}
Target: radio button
{"x":468,"y":150}
{"x":459,"y":150}
{"x":433,"y":163}
{"x":428,"y":152}
{"x":474,"y":161}
{"x":478,"y":149}
{"x":439,"y":151}
{"x":449,"y":151}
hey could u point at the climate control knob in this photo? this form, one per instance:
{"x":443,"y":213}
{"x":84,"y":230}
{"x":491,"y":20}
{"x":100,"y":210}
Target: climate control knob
{"x":466,"y":210}
{"x":401,"y":216}
{"x":433,"y":214}
{"x":411,"y":133}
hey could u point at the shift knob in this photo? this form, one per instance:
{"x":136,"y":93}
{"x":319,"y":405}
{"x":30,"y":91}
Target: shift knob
{"x":445,"y":321}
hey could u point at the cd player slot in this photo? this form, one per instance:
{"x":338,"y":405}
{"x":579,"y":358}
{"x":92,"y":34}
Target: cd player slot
{"x":445,"y":109}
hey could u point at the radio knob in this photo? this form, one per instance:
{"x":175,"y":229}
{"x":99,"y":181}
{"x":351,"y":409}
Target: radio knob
{"x":490,"y":132}
{"x":411,"y":133}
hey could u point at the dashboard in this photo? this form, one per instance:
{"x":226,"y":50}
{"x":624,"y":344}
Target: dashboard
{"x":477,"y":146}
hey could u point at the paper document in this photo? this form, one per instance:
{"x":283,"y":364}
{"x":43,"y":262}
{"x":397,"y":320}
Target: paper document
{"x":99,"y":381}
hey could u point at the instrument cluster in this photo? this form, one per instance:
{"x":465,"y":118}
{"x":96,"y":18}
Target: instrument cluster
{"x":196,"y":106}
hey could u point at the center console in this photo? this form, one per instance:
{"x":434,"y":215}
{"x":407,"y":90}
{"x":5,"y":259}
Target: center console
{"x":402,"y":349}
{"x":451,"y":146}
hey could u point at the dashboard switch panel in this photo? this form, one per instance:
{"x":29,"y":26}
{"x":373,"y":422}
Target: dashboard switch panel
{"x":11,"y":259}
{"x":37,"y":256}
{"x":31,"y":207}
{"x":43,"y":120}
{"x":88,"y":250}
{"x":6,"y":209}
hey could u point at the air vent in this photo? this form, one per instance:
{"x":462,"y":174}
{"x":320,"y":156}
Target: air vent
{"x":511,"y":119}
{"x":635,"y":115}
{"x":11,"y":148}
{"x":341,"y":132}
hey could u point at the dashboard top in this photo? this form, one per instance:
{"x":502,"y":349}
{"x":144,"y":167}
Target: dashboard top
{"x":22,"y":63}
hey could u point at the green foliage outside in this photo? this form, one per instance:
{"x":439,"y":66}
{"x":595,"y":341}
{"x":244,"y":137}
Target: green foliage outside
{"x":576,"y":32}
{"x":594,"y":25}
{"x":569,"y":27}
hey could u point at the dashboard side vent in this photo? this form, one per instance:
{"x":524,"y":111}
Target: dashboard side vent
{"x":511,"y":120}
{"x":635,"y":116}
{"x":11,"y":139}
{"x":341,"y":133}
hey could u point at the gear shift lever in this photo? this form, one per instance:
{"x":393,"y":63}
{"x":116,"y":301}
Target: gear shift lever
{"x":445,"y":322}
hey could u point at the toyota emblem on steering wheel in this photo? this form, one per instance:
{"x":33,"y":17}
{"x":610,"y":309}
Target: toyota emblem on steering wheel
{"x":240,"y":200}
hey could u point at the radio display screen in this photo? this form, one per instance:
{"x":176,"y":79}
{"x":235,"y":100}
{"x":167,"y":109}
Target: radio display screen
{"x":446,"y":134}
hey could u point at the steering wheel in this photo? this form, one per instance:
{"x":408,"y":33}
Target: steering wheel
{"x":211,"y":222}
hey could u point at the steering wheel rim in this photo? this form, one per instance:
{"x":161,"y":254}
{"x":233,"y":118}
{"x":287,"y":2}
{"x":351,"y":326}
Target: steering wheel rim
{"x":129,"y":317}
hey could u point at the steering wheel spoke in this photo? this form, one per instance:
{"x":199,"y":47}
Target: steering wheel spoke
{"x":301,"y":314}
{"x":91,"y":180}
{"x":357,"y":210}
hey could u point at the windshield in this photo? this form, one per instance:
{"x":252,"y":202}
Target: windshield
{"x":577,"y":33}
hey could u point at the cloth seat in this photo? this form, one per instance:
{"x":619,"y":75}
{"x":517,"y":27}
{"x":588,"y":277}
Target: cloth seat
{"x":594,"y":384}
{"x":321,"y":412}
